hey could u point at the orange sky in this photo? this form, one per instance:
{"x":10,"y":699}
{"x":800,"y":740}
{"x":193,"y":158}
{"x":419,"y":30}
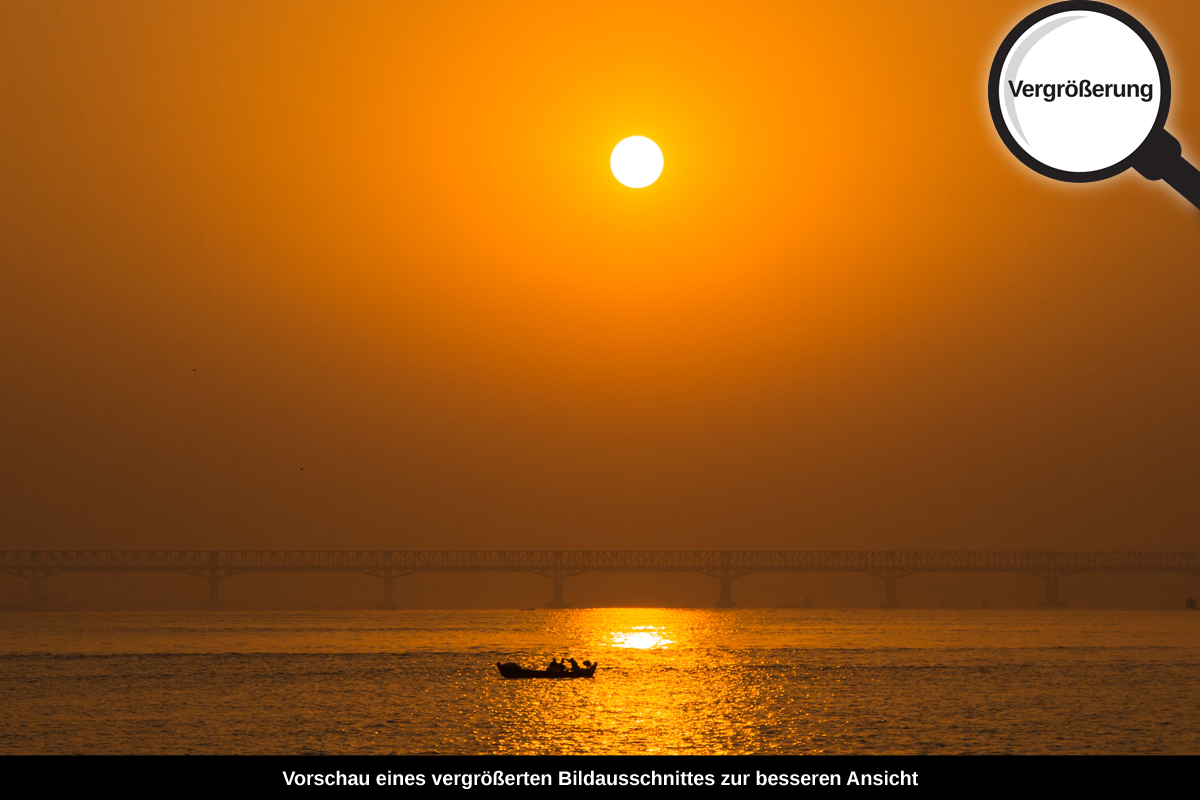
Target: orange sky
{"x":380,"y":241}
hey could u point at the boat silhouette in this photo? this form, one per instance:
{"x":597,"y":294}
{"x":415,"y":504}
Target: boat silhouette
{"x":511,"y":670}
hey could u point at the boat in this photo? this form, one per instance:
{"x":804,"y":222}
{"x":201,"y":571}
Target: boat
{"x":511,"y":670}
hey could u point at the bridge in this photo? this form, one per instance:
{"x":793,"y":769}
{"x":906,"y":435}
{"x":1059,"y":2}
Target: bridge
{"x":559,"y":565}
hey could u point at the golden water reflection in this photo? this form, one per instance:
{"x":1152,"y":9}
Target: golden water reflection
{"x":667,"y":683}
{"x":711,"y":681}
{"x":644,"y":637}
{"x":641,"y":628}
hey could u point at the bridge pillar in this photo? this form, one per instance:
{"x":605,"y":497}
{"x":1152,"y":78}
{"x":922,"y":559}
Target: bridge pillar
{"x":889,"y":593}
{"x":388,"y":603}
{"x":726,"y":600}
{"x":214,"y":599}
{"x":557,"y":596}
{"x":1052,"y":600}
{"x":36,"y":600}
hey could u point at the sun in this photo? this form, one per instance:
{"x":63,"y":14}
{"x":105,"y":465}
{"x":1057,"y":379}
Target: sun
{"x":636,"y":162}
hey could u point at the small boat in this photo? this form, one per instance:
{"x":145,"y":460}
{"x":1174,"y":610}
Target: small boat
{"x":511,"y":670}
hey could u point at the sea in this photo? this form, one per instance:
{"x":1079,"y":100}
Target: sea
{"x":669,"y":681}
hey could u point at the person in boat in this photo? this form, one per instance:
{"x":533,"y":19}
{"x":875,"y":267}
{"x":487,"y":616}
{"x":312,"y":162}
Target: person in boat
{"x":555,"y":666}
{"x":574,"y":665}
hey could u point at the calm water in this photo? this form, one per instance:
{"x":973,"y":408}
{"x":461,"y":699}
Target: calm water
{"x":670,"y":681}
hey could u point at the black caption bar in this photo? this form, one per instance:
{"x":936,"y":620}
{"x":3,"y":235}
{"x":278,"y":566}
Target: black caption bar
{"x":543,"y":775}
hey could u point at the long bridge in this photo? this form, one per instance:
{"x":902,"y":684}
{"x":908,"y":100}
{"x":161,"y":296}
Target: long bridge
{"x":558,"y":565}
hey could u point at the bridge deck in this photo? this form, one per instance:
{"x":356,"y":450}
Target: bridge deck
{"x":558,"y":565}
{"x":31,"y":563}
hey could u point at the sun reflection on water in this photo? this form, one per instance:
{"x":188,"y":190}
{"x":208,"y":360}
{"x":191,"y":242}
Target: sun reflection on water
{"x":642,"y":637}
{"x":663,"y":684}
{"x":634,"y":629}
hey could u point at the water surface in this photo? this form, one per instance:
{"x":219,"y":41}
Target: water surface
{"x":670,"y":681}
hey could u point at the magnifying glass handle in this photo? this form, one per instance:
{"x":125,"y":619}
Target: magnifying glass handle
{"x":1160,"y":158}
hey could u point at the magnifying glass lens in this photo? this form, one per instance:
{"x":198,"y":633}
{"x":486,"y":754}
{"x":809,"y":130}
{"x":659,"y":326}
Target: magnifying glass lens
{"x":1080,"y":91}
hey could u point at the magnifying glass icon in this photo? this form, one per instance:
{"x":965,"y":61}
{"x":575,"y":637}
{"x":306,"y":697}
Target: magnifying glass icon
{"x":1079,"y":92}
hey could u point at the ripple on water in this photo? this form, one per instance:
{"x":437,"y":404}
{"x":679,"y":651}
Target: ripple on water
{"x":670,"y":681}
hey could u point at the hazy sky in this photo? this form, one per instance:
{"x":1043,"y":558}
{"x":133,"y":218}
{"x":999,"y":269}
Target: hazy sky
{"x":356,"y":274}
